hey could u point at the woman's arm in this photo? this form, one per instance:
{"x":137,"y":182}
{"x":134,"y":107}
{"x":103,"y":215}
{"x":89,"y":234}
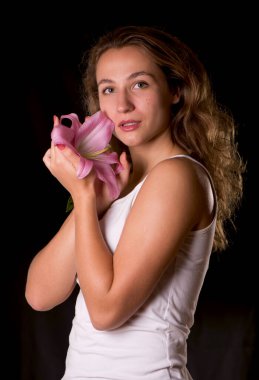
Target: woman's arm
{"x":172,"y":201}
{"x":52,"y":274}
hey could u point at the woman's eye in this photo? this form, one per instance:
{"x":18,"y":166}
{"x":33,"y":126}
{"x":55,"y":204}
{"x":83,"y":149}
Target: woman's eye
{"x":107,"y":90}
{"x":141,"y":85}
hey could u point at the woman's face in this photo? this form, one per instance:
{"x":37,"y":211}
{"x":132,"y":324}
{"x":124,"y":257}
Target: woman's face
{"x":134,"y":94}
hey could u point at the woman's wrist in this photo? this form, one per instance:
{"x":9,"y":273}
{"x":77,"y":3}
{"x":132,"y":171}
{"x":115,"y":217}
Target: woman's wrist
{"x":84,"y":201}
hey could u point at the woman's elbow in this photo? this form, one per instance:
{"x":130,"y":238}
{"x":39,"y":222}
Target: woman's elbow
{"x":37,"y":301}
{"x":107,"y":320}
{"x":44,"y":298}
{"x":104,"y":324}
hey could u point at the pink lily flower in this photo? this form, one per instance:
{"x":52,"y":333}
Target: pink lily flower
{"x":90,"y":141}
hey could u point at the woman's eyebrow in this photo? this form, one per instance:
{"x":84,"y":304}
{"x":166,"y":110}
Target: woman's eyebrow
{"x":131,"y":76}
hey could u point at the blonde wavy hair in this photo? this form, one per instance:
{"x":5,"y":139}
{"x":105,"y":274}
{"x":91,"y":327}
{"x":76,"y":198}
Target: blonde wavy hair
{"x":199,"y":124}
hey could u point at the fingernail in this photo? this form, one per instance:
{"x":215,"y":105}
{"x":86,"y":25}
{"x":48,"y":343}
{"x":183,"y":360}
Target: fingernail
{"x":61,"y":146}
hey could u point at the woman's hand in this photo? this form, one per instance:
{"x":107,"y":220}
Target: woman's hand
{"x":63,"y":163}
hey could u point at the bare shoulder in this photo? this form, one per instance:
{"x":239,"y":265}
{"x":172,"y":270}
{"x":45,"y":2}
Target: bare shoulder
{"x":183,"y":186}
{"x":178,"y":174}
{"x":176,"y":169}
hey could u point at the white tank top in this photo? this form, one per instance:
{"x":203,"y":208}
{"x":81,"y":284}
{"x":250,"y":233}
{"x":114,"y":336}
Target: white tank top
{"x":151,"y":345}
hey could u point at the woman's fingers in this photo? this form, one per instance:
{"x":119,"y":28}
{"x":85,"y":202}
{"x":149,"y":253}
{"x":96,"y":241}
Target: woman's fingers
{"x":47,"y":157}
{"x":71,"y":156}
{"x":60,"y":154}
{"x":124,"y":174}
{"x":56,"y":121}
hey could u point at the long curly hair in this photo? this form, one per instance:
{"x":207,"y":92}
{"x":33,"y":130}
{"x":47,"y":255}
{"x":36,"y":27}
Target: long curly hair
{"x":199,"y":124}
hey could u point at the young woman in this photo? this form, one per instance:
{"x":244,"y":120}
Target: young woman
{"x":141,"y":259}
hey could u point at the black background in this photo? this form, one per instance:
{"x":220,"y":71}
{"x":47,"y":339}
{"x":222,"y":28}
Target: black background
{"x":42,"y":53}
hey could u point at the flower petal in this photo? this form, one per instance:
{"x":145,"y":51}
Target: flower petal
{"x":62,"y":134}
{"x":74,"y":119}
{"x":94,"y":134}
{"x":84,"y":167}
{"x":91,"y":138}
{"x":106,"y":174}
{"x":110,"y":158}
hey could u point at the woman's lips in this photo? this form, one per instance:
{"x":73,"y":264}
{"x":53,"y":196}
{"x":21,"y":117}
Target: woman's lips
{"x":129,"y":125}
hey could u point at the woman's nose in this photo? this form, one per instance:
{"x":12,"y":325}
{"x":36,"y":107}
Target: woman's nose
{"x":125,"y":103}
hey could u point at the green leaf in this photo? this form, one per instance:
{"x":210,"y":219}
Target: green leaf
{"x":70,"y":204}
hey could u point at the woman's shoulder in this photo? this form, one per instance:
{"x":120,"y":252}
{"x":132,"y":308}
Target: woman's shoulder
{"x":179,"y":170}
{"x":171,"y":174}
{"x":179,"y":182}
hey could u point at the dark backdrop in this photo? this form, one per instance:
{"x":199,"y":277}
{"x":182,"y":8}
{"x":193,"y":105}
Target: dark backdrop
{"x":44,"y":79}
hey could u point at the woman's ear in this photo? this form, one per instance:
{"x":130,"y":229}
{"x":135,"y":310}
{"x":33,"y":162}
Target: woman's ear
{"x":175,"y":95}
